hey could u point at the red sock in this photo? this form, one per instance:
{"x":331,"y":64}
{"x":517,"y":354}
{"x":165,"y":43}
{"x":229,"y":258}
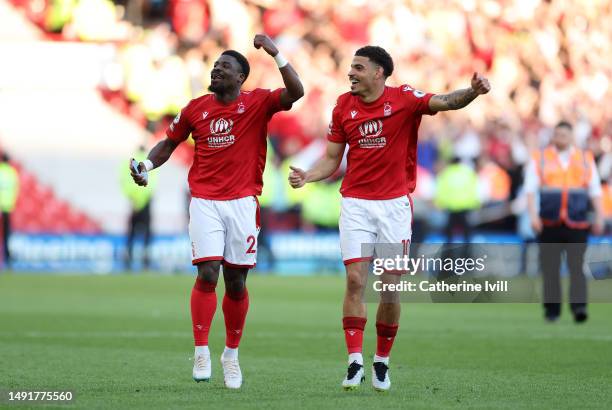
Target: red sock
{"x":353,"y":333}
{"x":385,"y":337}
{"x":203,"y":307}
{"x":235,"y":308}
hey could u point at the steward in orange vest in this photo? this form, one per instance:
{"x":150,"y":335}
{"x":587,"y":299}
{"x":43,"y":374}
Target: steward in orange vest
{"x":564,"y":195}
{"x":566,"y":180}
{"x":607,"y":200}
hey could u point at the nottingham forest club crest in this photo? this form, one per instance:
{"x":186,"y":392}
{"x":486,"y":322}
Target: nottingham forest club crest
{"x":221,"y":133}
{"x":387,"y":109}
{"x":370,"y":134}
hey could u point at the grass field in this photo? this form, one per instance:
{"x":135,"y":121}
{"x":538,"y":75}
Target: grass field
{"x":125,"y":342}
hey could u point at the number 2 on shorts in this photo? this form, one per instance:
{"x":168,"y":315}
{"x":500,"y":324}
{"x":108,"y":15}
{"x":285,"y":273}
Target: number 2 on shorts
{"x":251,"y":242}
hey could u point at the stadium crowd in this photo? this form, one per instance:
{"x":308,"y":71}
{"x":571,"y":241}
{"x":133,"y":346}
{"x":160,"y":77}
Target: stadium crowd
{"x":546,"y":61}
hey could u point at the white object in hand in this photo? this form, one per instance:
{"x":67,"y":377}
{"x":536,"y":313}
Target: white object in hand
{"x":143,"y":174}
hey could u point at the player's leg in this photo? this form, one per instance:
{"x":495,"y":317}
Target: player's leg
{"x":235,"y":308}
{"x":354,"y":317}
{"x":394,"y":222}
{"x":203,"y":308}
{"x":354,"y":313}
{"x":387,"y":323}
{"x":241,"y":217}
{"x":355,"y":235}
{"x":207,"y":243}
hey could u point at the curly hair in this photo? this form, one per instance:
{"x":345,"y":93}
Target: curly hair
{"x":379,"y":56}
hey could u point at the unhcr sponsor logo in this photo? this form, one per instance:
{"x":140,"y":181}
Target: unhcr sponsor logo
{"x":370,"y":132}
{"x":220,"y":130}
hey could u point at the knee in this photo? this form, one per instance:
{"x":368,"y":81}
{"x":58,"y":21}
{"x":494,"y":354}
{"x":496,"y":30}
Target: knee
{"x":235,"y":286}
{"x":208,"y":272}
{"x":354,"y":282}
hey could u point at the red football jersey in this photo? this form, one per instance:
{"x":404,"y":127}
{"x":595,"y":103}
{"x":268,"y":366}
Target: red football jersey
{"x":230,"y":142}
{"x":382,"y":140}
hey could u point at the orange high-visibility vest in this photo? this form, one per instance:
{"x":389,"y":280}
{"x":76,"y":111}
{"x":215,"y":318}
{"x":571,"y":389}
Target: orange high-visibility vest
{"x":607,"y":200}
{"x":498,"y":181}
{"x":564,"y":197}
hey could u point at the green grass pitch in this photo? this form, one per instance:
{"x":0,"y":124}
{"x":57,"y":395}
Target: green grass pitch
{"x":125,"y":342}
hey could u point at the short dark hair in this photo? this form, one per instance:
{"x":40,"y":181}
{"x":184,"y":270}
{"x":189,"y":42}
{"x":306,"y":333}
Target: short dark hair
{"x":244,"y":64}
{"x":564,"y":124}
{"x":379,"y":56}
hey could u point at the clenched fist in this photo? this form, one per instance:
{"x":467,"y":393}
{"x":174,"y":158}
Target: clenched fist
{"x":262,"y":40}
{"x":480,"y":84}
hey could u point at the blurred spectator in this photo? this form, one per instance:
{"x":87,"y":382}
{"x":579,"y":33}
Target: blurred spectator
{"x":9,"y":189}
{"x":321,"y":206}
{"x":606,"y":198}
{"x":95,"y":20}
{"x":58,"y":14}
{"x":457,"y":194}
{"x":190,"y":19}
{"x":494,"y":180}
{"x":140,"y":215}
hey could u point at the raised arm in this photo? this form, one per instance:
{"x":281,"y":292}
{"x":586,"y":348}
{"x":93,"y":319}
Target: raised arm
{"x":294,"y":90}
{"x":158,"y":156}
{"x":460,"y":98}
{"x":323,"y":168}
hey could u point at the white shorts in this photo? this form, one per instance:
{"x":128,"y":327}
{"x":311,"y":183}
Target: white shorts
{"x":224,"y":231}
{"x":364,"y":221}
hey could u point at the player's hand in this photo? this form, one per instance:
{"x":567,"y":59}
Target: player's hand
{"x":598,"y":226}
{"x":480,"y":84}
{"x":139,"y":177}
{"x":262,"y":40}
{"x":536,"y":224}
{"x":297,"y":177}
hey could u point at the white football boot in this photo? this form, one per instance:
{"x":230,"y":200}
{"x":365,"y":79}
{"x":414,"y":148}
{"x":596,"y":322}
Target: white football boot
{"x":380,"y":376}
{"x":231,"y":373}
{"x":201,"y":367}
{"x":354,"y":376}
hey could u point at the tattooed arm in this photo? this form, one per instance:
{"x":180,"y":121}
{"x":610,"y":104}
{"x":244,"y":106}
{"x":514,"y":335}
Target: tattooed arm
{"x":460,"y":98}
